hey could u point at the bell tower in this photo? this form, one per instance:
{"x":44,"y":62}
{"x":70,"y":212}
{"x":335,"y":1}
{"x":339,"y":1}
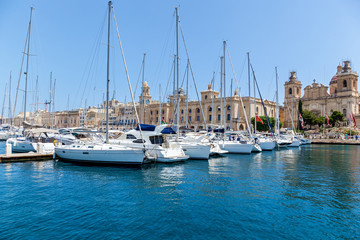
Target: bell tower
{"x":347,"y":81}
{"x":292,"y":96}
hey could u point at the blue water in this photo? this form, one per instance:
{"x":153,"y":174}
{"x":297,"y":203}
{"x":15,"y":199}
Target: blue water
{"x":307,"y":193}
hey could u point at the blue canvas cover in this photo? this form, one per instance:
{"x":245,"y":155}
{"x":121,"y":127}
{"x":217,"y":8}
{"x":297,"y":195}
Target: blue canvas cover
{"x":145,"y":127}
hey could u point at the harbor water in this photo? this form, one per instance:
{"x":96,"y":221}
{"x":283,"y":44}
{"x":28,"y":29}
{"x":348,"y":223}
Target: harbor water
{"x":311,"y":192}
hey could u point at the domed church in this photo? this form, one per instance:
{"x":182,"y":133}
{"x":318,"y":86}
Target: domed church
{"x":343,"y":95}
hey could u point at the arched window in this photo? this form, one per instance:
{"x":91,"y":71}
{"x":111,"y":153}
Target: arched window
{"x":290,"y":91}
{"x":182,"y":111}
{"x":241,"y":127}
{"x":228,"y":107}
{"x":189,"y":110}
{"x":198,"y":110}
{"x":205,"y":96}
{"x":210,"y":109}
{"x":344,"y":84}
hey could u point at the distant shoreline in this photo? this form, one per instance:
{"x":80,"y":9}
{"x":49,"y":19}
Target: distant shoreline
{"x":335,"y":141}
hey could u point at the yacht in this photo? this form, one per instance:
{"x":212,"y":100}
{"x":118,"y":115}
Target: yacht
{"x":157,"y":147}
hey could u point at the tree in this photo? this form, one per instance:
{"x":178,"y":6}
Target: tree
{"x":336,"y":117}
{"x":301,"y":112}
{"x":320,"y":121}
{"x":264,"y":127}
{"x":309,"y":118}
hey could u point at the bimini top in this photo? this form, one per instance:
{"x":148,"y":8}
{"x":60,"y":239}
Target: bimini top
{"x":145,"y":127}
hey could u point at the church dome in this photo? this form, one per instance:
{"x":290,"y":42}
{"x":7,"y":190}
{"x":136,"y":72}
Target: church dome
{"x":333,"y":80}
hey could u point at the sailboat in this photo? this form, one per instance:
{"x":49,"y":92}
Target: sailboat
{"x":102,"y":153}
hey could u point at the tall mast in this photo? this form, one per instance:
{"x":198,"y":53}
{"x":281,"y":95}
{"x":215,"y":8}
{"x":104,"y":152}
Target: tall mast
{"x":53,"y":105}
{"x":187,"y":95}
{"x":108,"y":77}
{"x":142,"y":92}
{"x":27,"y":65}
{"x":212,"y":101}
{"x":248,"y":56}
{"x":277,"y":104}
{"x":225,"y":109}
{"x":50,"y":100}
{"x":231,"y":91}
{"x":255,"y":110}
{"x":177,"y":73}
{"x":174,"y":109}
{"x":160,"y":116}
{"x":9,"y":113}
{"x":221,"y":92}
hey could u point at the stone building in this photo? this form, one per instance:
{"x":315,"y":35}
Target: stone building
{"x":155,"y":112}
{"x":343,"y":95}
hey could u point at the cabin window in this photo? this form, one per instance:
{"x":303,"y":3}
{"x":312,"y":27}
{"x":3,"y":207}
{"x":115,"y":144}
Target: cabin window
{"x":130,"y":136}
{"x":139,"y":141}
{"x":156,"y":139}
{"x":290,"y":91}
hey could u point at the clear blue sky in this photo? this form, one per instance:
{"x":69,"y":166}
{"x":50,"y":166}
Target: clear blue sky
{"x":310,"y":37}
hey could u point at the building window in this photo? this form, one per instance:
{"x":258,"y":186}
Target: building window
{"x":257,"y":110}
{"x":157,"y":119}
{"x":210,"y":109}
{"x":189,"y":110}
{"x":189,"y":119}
{"x":219,"y":117}
{"x":210,"y":116}
{"x":205,"y":96}
{"x":163,"y":111}
{"x":182,"y":111}
{"x":344,"y":84}
{"x":198,"y":110}
{"x":228,"y":117}
{"x":297,"y":90}
{"x":182,"y":119}
{"x":344,"y":112}
{"x":157,"y":112}
{"x":219,"y":109}
{"x":228,"y":107}
{"x":290,"y":91}
{"x":150,"y":112}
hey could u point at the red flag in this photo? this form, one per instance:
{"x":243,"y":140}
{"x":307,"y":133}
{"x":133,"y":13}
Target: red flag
{"x":354,"y":120}
{"x":327,"y":119}
{"x":259,"y":119}
{"x":301,"y":120}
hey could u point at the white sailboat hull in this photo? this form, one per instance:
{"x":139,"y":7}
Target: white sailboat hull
{"x":196,"y":151}
{"x":295,"y":143}
{"x":268,"y":145}
{"x":236,"y":147}
{"x":100,"y":154}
